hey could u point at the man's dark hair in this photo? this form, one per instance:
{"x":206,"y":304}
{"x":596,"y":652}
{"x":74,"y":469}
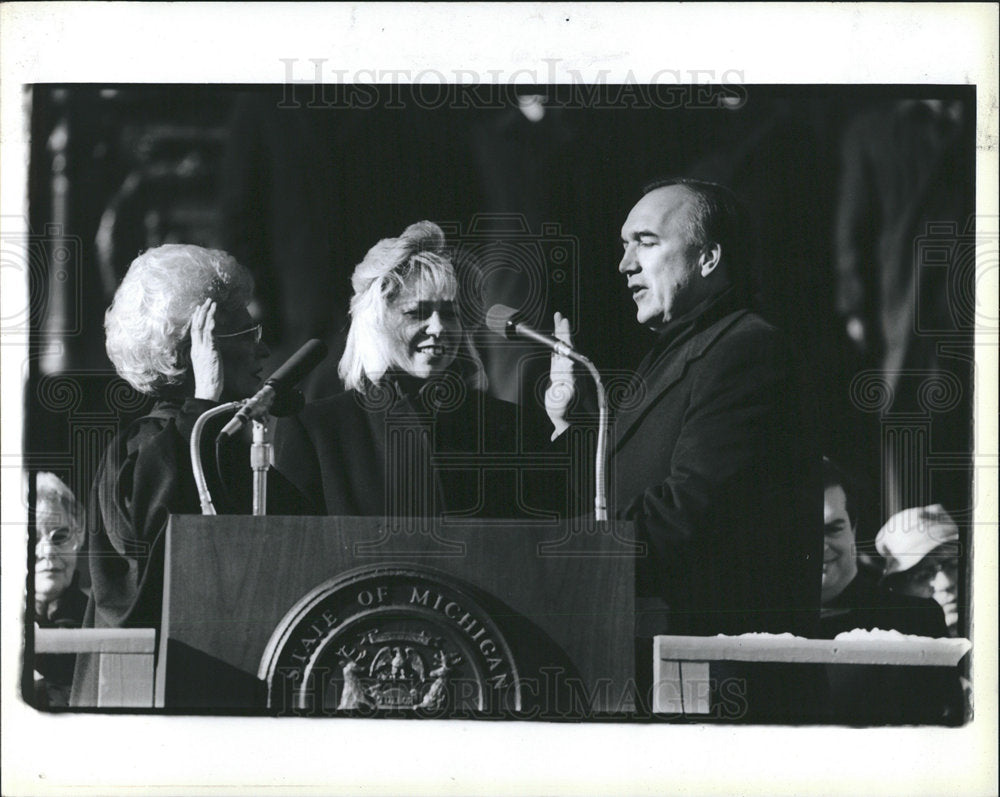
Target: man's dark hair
{"x":723,"y":219}
{"x":835,"y":476}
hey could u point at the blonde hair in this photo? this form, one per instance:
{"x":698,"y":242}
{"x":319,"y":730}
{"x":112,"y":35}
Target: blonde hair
{"x":149,"y":320}
{"x":417,"y":259}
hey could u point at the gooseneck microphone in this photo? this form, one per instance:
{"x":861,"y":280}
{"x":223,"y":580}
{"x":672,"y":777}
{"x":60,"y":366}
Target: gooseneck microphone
{"x":278,"y":384}
{"x":500,"y":319}
{"x":277,"y":397}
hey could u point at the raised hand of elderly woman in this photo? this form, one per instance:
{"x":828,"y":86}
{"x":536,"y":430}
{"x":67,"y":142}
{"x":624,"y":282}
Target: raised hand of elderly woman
{"x":206,"y":364}
{"x":561,"y":384}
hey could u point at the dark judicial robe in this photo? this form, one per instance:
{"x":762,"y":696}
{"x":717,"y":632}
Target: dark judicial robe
{"x":714,"y":462}
{"x":902,"y":694}
{"x":144,"y":477}
{"x":417,"y":449}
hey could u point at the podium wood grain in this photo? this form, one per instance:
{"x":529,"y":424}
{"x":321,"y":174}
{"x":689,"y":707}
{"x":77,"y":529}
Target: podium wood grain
{"x":231,"y":580}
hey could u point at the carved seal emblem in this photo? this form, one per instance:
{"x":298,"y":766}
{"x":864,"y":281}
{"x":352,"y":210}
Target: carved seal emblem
{"x":390,"y":640}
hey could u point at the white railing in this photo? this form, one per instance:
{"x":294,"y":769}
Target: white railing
{"x":125,"y":660}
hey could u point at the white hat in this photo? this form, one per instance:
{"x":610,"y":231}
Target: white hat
{"x":910,"y":535}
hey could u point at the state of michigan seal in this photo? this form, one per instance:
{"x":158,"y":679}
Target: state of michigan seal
{"x":386,"y":640}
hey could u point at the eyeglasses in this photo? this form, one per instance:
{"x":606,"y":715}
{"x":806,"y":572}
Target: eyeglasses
{"x":930,"y":566}
{"x":62,"y":537}
{"x":257,"y":330}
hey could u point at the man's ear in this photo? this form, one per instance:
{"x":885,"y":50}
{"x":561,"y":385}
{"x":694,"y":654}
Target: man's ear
{"x":711,"y":256}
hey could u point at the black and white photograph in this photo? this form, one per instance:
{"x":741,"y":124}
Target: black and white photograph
{"x":436,"y":414}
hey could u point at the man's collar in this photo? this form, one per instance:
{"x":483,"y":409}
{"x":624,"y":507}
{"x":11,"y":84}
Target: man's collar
{"x":702,"y":315}
{"x":854,"y":594}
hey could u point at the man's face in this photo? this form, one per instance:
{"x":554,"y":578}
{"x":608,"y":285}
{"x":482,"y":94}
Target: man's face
{"x":55,"y":550}
{"x":839,"y":563}
{"x":662,"y":260}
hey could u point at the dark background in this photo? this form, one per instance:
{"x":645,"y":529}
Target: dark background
{"x":298,"y":182}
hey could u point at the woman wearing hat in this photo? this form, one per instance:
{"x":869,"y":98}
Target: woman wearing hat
{"x":921,"y":550}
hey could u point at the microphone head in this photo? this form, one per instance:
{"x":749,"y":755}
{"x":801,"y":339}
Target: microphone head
{"x":298,"y":366}
{"x":498,"y":317}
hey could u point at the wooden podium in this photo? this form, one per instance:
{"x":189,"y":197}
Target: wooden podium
{"x":337,"y":615}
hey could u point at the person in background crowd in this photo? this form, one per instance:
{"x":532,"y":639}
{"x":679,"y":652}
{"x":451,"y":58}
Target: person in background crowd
{"x":179,"y":331}
{"x":921,"y":551}
{"x":59,"y":601}
{"x":853,"y":598}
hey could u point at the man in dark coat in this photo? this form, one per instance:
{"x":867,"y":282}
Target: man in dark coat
{"x":711,"y":454}
{"x":712,"y":461}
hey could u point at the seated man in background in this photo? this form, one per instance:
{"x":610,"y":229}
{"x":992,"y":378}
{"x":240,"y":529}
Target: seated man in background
{"x":921,"y":551}
{"x":59,"y":601}
{"x":854,"y":598}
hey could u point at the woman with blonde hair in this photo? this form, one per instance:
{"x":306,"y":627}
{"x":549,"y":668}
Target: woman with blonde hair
{"x":404,"y":315}
{"x":415,"y":433}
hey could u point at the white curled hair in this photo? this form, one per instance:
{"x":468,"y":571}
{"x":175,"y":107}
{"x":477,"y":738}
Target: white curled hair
{"x":147,"y":326}
{"x":50,"y":489}
{"x":417,"y":258}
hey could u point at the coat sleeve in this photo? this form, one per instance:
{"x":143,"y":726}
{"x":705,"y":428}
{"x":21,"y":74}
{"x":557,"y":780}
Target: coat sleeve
{"x":145,"y":477}
{"x":141,"y":481}
{"x":296,"y":459}
{"x":919,"y":616}
{"x":731,"y":525}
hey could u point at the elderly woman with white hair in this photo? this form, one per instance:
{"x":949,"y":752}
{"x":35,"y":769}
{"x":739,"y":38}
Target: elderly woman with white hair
{"x":59,"y":601}
{"x":178,"y":330}
{"x":415,"y":434}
